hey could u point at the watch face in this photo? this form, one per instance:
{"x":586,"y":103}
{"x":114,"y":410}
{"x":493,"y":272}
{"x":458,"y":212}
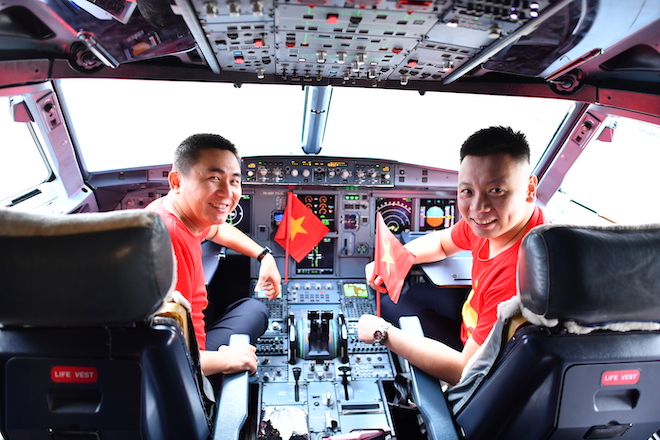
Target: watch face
{"x":378,"y":336}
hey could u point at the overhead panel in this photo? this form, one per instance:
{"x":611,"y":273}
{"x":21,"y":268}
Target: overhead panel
{"x":347,"y":43}
{"x":240,"y":35}
{"x":311,"y":41}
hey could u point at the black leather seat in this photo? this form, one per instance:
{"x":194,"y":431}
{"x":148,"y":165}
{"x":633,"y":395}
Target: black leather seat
{"x":82,"y":353}
{"x":587,"y":364}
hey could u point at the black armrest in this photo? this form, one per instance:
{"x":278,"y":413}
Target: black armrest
{"x":232,"y":408}
{"x":428,"y":396}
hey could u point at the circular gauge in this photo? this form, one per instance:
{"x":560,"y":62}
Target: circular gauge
{"x":396,"y":212}
{"x":362,"y":248}
{"x":435,"y":216}
{"x":236,"y":216}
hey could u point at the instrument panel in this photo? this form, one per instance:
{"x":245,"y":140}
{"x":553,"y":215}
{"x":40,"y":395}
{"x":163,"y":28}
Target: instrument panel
{"x":315,"y":376}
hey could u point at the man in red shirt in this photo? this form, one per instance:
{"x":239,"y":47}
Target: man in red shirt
{"x":496,"y":199}
{"x":205,"y":187}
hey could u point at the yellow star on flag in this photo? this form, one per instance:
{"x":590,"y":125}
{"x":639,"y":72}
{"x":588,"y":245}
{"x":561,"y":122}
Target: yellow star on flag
{"x":296,"y":227}
{"x":387,"y":257}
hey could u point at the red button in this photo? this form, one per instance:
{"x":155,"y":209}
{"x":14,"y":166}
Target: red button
{"x":332,"y":18}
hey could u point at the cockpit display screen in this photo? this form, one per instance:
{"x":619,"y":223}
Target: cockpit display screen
{"x":396,"y":212}
{"x":320,"y":260}
{"x":356,"y":290}
{"x":240,"y":216}
{"x":436,"y":214}
{"x":323,"y":206}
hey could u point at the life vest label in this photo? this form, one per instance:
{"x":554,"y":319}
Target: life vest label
{"x":620,"y":377}
{"x":66,"y":374}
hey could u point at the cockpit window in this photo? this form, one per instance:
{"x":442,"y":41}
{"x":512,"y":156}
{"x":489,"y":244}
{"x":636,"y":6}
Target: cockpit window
{"x":430,"y":129}
{"x":614,"y":178}
{"x":18,"y":147}
{"x":125,"y":124}
{"x":131,"y":123}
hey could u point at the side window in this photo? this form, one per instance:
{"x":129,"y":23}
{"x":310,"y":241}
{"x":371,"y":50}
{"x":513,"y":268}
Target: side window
{"x":614,"y":178}
{"x":22,"y":166}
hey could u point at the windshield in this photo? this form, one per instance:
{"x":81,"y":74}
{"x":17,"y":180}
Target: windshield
{"x":127,"y":123}
{"x":598,"y":189}
{"x":18,"y":147}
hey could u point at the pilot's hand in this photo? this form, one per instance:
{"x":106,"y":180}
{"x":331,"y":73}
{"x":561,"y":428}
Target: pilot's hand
{"x":375,"y":282}
{"x":237,"y":358}
{"x":367,"y":325}
{"x":270,"y":280}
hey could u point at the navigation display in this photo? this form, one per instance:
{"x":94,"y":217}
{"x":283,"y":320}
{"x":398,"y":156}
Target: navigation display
{"x":396,"y":212}
{"x":435,"y":214}
{"x":320,"y":260}
{"x":356,"y":290}
{"x":240,"y":216}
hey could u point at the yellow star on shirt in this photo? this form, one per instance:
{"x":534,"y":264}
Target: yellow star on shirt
{"x":296,"y":227}
{"x":387,"y":258}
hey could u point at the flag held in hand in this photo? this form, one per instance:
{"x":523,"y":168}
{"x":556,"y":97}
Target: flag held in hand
{"x":393,"y":260}
{"x":300,"y":230}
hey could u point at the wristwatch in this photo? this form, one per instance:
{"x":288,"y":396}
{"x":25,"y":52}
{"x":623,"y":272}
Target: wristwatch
{"x":380,"y":334}
{"x":266,"y":250}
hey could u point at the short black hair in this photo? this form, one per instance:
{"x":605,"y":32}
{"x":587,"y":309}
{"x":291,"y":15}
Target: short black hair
{"x":496,"y":139}
{"x":187,"y":153}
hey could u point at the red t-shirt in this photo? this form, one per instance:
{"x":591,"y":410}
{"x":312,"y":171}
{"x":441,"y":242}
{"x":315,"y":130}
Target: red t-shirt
{"x":493,"y":279}
{"x":190,"y":281}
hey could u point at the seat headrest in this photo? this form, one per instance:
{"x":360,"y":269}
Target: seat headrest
{"x":83,"y":270}
{"x":591,"y":275}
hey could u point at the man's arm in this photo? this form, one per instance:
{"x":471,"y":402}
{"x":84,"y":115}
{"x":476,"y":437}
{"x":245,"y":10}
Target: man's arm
{"x":434,"y":246}
{"x":233,"y":238}
{"x":229,"y":359}
{"x":433,"y":357}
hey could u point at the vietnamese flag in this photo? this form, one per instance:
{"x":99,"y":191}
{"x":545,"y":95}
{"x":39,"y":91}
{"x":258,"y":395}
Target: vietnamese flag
{"x":300,"y":230}
{"x":393,"y":260}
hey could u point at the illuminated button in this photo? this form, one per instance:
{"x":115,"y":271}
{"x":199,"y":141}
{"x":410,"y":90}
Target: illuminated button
{"x":290,"y":44}
{"x":397,"y":49}
{"x":412,"y":63}
{"x":258,"y":42}
{"x":238,"y":59}
{"x":332,"y":18}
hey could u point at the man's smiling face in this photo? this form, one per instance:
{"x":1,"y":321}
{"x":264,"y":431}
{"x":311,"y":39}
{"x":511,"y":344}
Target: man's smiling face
{"x":495,"y":195}
{"x":210,"y":191}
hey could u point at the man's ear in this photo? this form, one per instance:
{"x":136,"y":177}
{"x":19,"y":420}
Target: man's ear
{"x":531,"y":188}
{"x":175,"y":180}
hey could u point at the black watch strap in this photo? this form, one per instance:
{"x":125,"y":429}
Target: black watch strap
{"x":266,"y":250}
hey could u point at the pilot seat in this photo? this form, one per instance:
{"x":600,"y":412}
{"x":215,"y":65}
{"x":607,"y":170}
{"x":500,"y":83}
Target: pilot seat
{"x":575,"y":355}
{"x":84,"y":352}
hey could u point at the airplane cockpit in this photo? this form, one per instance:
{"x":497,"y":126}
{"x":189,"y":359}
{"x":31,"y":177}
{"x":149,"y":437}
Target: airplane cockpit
{"x":358,"y":108}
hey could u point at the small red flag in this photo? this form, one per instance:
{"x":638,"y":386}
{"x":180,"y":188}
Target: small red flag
{"x":300,"y":229}
{"x":393,"y":260}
